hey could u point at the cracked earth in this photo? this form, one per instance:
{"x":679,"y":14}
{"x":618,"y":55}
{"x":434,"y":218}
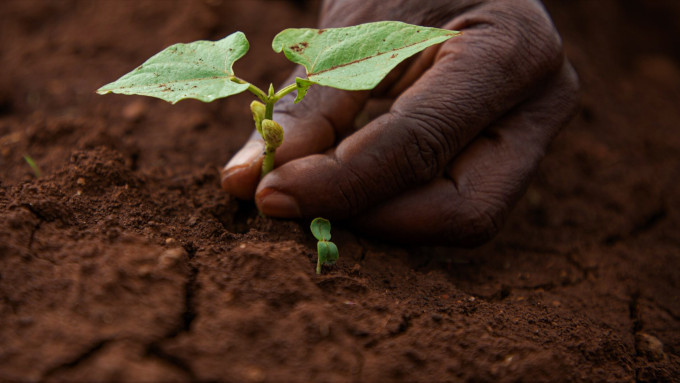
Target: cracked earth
{"x":126,"y":262}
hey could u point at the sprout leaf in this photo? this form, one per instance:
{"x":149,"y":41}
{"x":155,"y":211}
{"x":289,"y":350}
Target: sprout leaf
{"x":357,"y":57}
{"x":201,"y":70}
{"x":321,"y":229}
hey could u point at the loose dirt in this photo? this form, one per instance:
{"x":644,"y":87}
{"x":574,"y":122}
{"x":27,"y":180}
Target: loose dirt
{"x":126,"y":262}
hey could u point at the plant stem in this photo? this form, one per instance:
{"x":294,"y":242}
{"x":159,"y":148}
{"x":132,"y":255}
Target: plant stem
{"x":284,"y":91}
{"x":268,"y":162}
{"x":269,"y":111}
{"x":270,"y":98}
{"x":259,"y":93}
{"x":318,"y":265}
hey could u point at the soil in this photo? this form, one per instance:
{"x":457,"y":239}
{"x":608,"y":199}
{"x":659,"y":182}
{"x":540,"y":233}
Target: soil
{"x":125,"y":261}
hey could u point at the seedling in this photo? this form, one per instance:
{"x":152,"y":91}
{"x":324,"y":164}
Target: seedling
{"x":34,"y":166}
{"x":350,"y":58}
{"x":326,"y":250}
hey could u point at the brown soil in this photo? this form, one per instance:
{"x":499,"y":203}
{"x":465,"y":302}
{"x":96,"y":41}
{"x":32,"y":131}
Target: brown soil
{"x":126,"y":262}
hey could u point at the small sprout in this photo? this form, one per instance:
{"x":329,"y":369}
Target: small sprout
{"x":34,"y":166}
{"x":326,"y":250}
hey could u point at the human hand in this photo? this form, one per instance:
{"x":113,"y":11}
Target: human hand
{"x":471,"y":120}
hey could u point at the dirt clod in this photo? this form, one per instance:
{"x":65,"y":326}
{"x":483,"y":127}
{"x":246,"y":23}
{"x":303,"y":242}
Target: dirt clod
{"x":650,"y":347}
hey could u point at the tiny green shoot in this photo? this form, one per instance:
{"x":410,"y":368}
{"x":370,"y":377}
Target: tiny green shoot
{"x":34,"y":166}
{"x":349,"y":58}
{"x":327,"y":252}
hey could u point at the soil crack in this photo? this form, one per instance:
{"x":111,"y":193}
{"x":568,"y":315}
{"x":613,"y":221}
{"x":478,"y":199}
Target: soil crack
{"x":36,"y":227}
{"x":186,"y":319}
{"x":189,"y":313}
{"x":190,"y":288}
{"x":648,"y":222}
{"x":634,"y":313}
{"x":397,"y":329}
{"x":634,"y":310}
{"x":154,"y":349}
{"x":87,"y":354}
{"x":32,"y":236}
{"x":585,"y":271}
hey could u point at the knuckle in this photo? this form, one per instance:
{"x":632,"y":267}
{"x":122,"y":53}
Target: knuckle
{"x":474,"y":222}
{"x":528,"y":37}
{"x":541,"y":42}
{"x":426,"y":148}
{"x":566,"y":96}
{"x":572,"y":87}
{"x":353,"y":192}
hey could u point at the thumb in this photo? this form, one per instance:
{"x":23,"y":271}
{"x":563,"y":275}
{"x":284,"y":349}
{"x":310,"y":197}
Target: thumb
{"x":310,"y":127}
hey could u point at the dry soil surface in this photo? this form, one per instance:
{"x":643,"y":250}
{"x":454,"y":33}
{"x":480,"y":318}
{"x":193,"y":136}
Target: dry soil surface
{"x":125,"y":261}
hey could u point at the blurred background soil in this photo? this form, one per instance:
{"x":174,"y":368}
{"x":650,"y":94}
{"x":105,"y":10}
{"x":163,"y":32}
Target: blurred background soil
{"x":126,"y":262}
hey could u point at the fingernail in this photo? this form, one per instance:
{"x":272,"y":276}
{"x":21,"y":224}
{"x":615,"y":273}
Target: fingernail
{"x":277,"y":204}
{"x":248,"y":155}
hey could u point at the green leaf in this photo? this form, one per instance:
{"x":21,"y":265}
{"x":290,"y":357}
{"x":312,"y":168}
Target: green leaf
{"x":199,"y":70}
{"x":327,"y":251}
{"x":358,"y":57}
{"x":34,"y":166}
{"x":302,"y":87}
{"x":332,"y":255}
{"x":321,"y":229}
{"x":322,"y":251}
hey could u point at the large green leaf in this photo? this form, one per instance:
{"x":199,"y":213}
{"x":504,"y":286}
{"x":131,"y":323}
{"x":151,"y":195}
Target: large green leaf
{"x":357,"y":57}
{"x":199,"y":70}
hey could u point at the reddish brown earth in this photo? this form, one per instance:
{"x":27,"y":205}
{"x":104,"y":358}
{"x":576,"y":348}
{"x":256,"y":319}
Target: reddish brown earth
{"x":126,"y":262}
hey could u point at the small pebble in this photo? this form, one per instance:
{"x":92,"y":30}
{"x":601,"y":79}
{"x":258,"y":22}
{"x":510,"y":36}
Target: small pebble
{"x":25,"y":321}
{"x":170,"y":257}
{"x":650,"y":347}
{"x":254,"y":374}
{"x":134,"y":111}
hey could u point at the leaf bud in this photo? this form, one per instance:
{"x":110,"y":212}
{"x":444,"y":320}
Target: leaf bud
{"x":258,"y":109}
{"x":272,"y":133}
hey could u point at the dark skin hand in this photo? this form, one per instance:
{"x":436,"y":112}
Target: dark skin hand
{"x":471,"y":120}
